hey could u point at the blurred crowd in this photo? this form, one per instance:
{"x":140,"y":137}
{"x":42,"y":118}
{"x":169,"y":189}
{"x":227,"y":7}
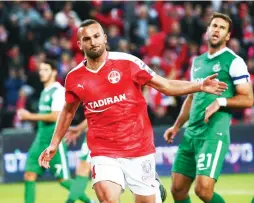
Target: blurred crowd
{"x":166,"y":35}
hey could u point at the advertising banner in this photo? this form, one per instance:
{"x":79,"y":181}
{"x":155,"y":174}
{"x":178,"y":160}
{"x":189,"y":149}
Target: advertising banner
{"x":239,"y":159}
{"x":14,"y":153}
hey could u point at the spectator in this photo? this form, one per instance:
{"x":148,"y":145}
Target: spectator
{"x":28,"y":18}
{"x":155,"y":43}
{"x":16,"y":60}
{"x":158,"y":103}
{"x":234,"y":44}
{"x":166,"y":34}
{"x":12,"y":84}
{"x":52,"y":48}
{"x":113,"y":37}
{"x":188,"y":22}
{"x":3,"y":14}
{"x":28,"y":46}
{"x":62,"y":17}
{"x":48,"y":28}
{"x":64,"y":65}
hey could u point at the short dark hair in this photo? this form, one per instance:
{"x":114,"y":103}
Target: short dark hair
{"x":224,"y":17}
{"x":88,"y":22}
{"x":52,"y":63}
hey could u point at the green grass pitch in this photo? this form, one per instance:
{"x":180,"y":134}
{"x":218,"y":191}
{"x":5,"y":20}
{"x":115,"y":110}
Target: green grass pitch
{"x":238,"y":188}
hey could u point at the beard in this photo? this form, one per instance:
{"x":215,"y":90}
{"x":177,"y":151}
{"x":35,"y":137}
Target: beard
{"x":95,"y":54}
{"x":217,"y":44}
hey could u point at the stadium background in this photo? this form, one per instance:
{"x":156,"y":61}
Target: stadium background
{"x":166,"y":35}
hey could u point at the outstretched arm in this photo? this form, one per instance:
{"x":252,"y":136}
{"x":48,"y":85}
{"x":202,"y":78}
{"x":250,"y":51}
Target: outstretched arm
{"x":62,"y":125}
{"x":177,"y":87}
{"x":64,"y":122}
{"x":24,"y":114}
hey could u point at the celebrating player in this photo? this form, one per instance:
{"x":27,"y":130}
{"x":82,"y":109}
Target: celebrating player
{"x":50,"y":104}
{"x":120,"y":135}
{"x":206,"y":139}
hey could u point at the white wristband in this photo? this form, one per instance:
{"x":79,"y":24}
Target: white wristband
{"x":222,"y":101}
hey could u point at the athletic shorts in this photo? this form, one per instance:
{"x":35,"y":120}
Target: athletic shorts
{"x":58,"y":165}
{"x":200,"y":157}
{"x":136,"y":173}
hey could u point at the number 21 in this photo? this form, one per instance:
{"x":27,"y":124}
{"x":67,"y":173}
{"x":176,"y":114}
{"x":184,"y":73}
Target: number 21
{"x":202,"y":158}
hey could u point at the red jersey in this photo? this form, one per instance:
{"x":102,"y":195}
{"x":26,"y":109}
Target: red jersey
{"x":116,"y":111}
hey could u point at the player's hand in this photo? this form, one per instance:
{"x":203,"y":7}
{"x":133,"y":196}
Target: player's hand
{"x":46,"y":156}
{"x":72,"y":135}
{"x":170,"y":134}
{"x":213,"y":86}
{"x":23,"y":114}
{"x":211,"y":109}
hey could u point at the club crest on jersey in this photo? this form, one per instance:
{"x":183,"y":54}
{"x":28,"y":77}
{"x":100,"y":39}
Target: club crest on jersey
{"x":216,"y":67}
{"x":114,"y":77}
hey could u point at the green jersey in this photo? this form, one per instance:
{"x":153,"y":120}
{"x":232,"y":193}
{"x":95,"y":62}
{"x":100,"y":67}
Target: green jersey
{"x":233,"y":71}
{"x":51,"y":99}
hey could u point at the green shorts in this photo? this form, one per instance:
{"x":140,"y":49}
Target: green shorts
{"x":200,"y":157}
{"x":85,"y":153}
{"x":58,"y":165}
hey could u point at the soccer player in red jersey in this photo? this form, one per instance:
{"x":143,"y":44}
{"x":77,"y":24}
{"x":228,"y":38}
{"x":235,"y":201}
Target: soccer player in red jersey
{"x":120,"y":135}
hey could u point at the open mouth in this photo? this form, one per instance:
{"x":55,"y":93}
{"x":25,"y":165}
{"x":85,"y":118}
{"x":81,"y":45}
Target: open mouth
{"x":215,"y":37}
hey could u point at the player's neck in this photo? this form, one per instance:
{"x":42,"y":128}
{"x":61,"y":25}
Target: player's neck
{"x":48,"y":83}
{"x":94,"y":64}
{"x":212,"y":50}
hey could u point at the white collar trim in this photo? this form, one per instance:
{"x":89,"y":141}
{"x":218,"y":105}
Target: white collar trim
{"x":95,"y":71}
{"x":210,"y":56}
{"x":54,"y":84}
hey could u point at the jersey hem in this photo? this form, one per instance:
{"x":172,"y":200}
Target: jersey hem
{"x":126,"y":155}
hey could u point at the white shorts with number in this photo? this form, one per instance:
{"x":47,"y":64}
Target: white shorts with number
{"x":136,"y":173}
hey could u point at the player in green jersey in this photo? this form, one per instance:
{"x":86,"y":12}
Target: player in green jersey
{"x":50,"y":104}
{"x":206,"y":139}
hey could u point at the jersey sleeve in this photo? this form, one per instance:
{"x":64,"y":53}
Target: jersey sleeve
{"x":58,"y":100}
{"x":239,"y":71}
{"x":140,"y":72}
{"x":70,"y":96}
{"x":191,"y":70}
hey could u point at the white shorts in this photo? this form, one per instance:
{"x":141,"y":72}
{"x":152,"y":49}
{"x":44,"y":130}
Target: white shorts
{"x":136,"y":173}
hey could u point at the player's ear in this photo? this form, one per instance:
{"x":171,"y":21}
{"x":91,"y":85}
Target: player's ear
{"x":55,"y":73}
{"x":106,"y":38}
{"x":79,"y":45}
{"x":228,"y":36}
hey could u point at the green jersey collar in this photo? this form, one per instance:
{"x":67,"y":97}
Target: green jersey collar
{"x":210,"y":56}
{"x":54,"y":84}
